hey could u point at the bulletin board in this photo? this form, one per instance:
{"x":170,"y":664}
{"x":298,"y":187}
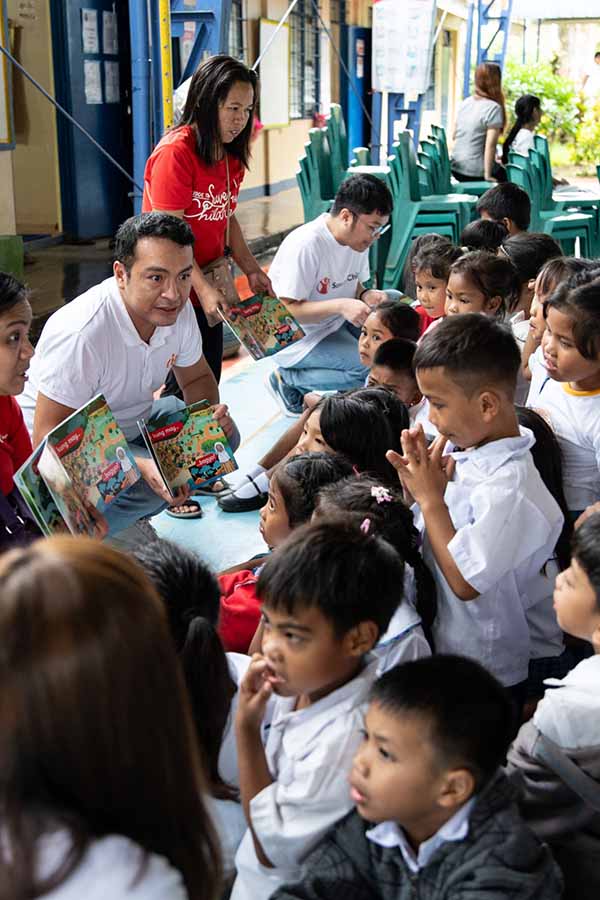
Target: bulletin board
{"x":274,"y":75}
{"x":6,"y":121}
{"x":402,"y":45}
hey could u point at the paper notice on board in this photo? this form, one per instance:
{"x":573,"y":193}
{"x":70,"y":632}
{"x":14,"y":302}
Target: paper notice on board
{"x":408,"y":24}
{"x":92,"y":81}
{"x":110,"y":36}
{"x":112,"y":92}
{"x":90,"y":38}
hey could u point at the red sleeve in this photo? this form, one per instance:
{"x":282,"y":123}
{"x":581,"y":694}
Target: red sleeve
{"x":240,"y":610}
{"x":169,"y":176}
{"x":426,"y":319}
{"x":19,"y":436}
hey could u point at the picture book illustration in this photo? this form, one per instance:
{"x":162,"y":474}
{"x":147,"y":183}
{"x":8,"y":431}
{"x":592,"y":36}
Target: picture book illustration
{"x":82,"y":466}
{"x":38,"y":498}
{"x":263,"y":324}
{"x":189,"y":446}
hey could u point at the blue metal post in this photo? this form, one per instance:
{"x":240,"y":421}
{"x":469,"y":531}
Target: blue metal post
{"x":140,"y":92}
{"x":468,"y":50}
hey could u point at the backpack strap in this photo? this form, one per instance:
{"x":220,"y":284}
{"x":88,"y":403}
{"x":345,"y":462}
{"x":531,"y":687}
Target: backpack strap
{"x":573,"y":776}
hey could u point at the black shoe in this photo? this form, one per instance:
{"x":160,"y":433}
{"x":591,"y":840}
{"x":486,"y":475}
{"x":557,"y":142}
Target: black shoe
{"x":233,"y":504}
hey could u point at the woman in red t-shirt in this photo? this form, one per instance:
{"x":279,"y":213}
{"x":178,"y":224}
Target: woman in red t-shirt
{"x":195,"y":172}
{"x":15,"y":443}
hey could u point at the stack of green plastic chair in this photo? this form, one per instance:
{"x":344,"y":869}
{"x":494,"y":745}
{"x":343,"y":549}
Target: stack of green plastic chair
{"x":563,"y":228}
{"x":338,"y":145}
{"x":457,"y":187}
{"x":314,"y":177}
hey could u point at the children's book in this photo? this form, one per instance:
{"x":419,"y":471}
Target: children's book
{"x":188,"y":446}
{"x":263,"y":324}
{"x":83,"y":465}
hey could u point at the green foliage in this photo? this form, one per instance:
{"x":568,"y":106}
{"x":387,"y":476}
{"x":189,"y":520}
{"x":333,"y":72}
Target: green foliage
{"x":560,"y":101}
{"x":587,"y":146}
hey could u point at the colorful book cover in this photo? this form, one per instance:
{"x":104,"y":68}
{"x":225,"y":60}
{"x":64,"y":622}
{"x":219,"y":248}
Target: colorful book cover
{"x":36,"y":495}
{"x":86,"y":463}
{"x":189,"y":446}
{"x":263,"y":324}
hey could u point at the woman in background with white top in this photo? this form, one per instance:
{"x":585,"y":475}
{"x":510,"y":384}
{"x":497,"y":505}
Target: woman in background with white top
{"x":480,"y":121}
{"x":528,"y":112}
{"x":101,"y":785}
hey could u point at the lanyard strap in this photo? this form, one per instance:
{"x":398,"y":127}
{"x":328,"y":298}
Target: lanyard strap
{"x":227,"y":251}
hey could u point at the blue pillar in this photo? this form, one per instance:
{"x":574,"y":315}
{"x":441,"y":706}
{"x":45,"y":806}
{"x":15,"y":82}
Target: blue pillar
{"x":140,"y":92}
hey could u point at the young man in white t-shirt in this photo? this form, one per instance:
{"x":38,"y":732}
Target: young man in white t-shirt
{"x":121,"y":338}
{"x":319,"y":271}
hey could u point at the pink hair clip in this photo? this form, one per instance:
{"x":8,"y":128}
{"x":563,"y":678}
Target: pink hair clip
{"x":365,"y":525}
{"x":381,"y":494}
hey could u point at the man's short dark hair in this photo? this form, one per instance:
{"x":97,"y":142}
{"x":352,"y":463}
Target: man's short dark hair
{"x":363,"y":195}
{"x":437,"y":260}
{"x":506,"y":201}
{"x":150,"y":224}
{"x":469,"y":713}
{"x":397,"y":355}
{"x":350,"y":577}
{"x":475,"y":350}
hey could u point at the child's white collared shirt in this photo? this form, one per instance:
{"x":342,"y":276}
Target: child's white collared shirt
{"x":575,"y":418}
{"x":507,"y":524}
{"x":309,"y":753}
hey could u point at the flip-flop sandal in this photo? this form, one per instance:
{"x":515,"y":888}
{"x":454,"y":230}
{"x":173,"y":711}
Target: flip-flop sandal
{"x":210,"y":490}
{"x":195,"y":513}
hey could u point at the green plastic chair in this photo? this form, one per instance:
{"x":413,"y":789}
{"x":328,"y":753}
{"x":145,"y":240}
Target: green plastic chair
{"x":314,"y":177}
{"x":451,"y":185}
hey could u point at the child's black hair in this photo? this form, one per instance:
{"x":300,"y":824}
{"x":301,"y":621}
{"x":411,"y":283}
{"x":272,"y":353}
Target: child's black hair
{"x":468,"y":712}
{"x":474,"y":350}
{"x":483,"y":234}
{"x":565,"y":269}
{"x":362,"y":425}
{"x":582,"y":306}
{"x":397,"y":355}
{"x":493,"y":275}
{"x":399,"y":318}
{"x":366,"y":499}
{"x":362,"y":195}
{"x":586,"y":550}
{"x":506,"y":201}
{"x":437,"y":260}
{"x":529,"y":251}
{"x":524,"y":110}
{"x":11,"y":292}
{"x":191,"y":596}
{"x":300,"y":478}
{"x":420,"y":243}
{"x":349,"y":576}
{"x":548,"y":461}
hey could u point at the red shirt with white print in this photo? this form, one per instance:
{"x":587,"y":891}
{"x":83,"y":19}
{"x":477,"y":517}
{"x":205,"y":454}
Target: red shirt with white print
{"x":15,"y":443}
{"x":176,"y":178}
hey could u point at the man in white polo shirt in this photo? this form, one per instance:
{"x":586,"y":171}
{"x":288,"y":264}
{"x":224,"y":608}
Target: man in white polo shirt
{"x":319,"y":271}
{"x":120,"y":339}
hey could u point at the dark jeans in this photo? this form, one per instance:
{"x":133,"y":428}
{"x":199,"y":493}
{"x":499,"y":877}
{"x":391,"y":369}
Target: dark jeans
{"x":498,"y":172}
{"x":212,"y":349}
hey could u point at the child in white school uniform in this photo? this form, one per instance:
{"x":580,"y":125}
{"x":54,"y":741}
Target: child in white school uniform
{"x":489,"y":522}
{"x":381,"y":510}
{"x":328,"y":594}
{"x":555,"y":758}
{"x":565,"y":385}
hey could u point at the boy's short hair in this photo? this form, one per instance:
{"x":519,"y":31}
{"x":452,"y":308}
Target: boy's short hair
{"x":437,"y":260}
{"x":362,"y":195}
{"x":506,"y":201}
{"x":349,"y":576}
{"x":152,"y":225}
{"x":469,"y":713}
{"x":586,"y":550}
{"x":529,"y":251}
{"x":483,"y":234}
{"x":397,"y":355}
{"x":474,"y":350}
{"x":400,"y":318}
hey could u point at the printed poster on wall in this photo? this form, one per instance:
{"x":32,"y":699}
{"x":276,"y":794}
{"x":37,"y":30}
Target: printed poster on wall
{"x":92,"y":82}
{"x":112,"y":93}
{"x":110,"y":37}
{"x":402,"y":45}
{"x":90,"y":39}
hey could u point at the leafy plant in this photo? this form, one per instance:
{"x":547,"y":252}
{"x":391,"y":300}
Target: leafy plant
{"x":587,"y":145}
{"x":561,"y":106}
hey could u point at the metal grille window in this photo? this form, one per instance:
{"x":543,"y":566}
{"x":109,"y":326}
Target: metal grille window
{"x":236,"y":44}
{"x":304,"y":61}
